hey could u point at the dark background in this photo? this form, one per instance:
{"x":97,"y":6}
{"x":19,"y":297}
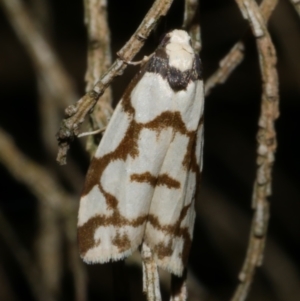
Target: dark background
{"x":231,"y":115}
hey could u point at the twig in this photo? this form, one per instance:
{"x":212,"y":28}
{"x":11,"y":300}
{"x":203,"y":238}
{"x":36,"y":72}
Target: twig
{"x":266,"y":146}
{"x":296,"y":4}
{"x":98,"y":62}
{"x":236,"y":54}
{"x":77,"y":113}
{"x":42,"y":54}
{"x":21,"y":255}
{"x":191,"y":23}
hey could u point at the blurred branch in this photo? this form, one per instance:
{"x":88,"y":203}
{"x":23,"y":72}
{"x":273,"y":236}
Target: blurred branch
{"x":49,"y":238}
{"x":236,"y":54}
{"x":191,"y":22}
{"x":266,"y":146}
{"x":28,"y":267}
{"x":41,"y":52}
{"x":98,"y":62}
{"x":77,"y":112}
{"x":52,"y":78}
{"x":42,"y":184}
{"x":296,"y":4}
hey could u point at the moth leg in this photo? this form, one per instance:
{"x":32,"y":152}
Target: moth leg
{"x":144,"y":60}
{"x":150,"y":275}
{"x":92,"y":132}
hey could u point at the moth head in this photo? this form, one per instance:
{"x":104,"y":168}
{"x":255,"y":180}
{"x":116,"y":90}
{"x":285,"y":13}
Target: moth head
{"x":178,"y":48}
{"x":179,"y":37}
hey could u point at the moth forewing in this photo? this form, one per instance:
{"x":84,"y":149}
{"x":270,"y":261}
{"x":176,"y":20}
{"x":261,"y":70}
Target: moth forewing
{"x":141,"y":183}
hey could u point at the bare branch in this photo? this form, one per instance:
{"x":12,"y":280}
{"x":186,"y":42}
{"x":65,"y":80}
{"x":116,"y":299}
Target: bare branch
{"x":191,"y":23}
{"x":227,"y":65}
{"x":266,"y":146}
{"x":236,"y":54}
{"x":77,"y":113}
{"x":99,"y":60}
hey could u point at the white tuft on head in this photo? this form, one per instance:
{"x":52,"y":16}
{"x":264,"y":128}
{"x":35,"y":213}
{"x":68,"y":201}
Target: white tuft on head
{"x":179,"y":50}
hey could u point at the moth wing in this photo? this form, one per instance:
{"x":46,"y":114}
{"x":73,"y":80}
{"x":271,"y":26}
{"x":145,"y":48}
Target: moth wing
{"x":121,"y":178}
{"x":104,"y":234}
{"x":169,"y":229}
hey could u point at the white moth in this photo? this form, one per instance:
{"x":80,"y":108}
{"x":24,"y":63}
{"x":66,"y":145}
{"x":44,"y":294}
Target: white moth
{"x":141,"y":183}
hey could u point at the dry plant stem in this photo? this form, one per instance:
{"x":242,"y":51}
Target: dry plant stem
{"x":296,"y":4}
{"x":191,"y":23}
{"x":21,"y":255}
{"x":150,"y":275}
{"x":266,"y":146}
{"x":236,"y":53}
{"x":77,"y":113}
{"x":40,"y":52}
{"x":98,"y":62}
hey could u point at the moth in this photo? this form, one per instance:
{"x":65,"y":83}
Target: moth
{"x":141,"y":183}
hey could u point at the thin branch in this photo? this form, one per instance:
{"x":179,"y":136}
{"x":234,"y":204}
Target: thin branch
{"x":77,"y":113}
{"x":99,"y":60}
{"x":296,"y":4}
{"x":41,"y":53}
{"x":236,"y":54}
{"x":226,"y":66}
{"x":266,"y":146}
{"x":191,"y":23}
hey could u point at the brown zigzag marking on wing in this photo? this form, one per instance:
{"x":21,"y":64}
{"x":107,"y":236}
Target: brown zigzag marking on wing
{"x":163,"y":179}
{"x":86,"y":231}
{"x":165,"y":250}
{"x":122,"y":242}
